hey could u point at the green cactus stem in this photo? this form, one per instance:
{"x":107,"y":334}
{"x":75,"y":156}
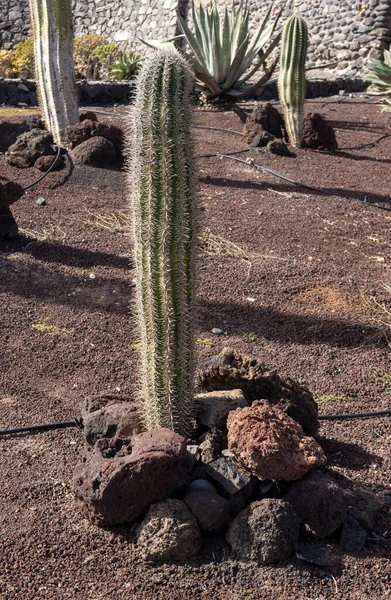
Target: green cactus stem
{"x":163,"y":207}
{"x":291,"y":81}
{"x":53,"y":48}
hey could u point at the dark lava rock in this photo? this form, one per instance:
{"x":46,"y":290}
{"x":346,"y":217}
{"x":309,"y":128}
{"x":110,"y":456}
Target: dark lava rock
{"x":211,"y":510}
{"x":320,"y":502}
{"x":230,"y":370}
{"x":212,"y":443}
{"x":76,"y":134}
{"x":10,"y":130}
{"x":318,"y":134}
{"x":120,"y":419}
{"x":278,"y":147}
{"x":121,"y":477}
{"x":363,"y":506}
{"x":169,"y":532}
{"x":213,"y":408}
{"x":95,"y":152}
{"x":266,"y":531}
{"x":88,"y":115}
{"x":353,"y":536}
{"x":8,"y":225}
{"x":29,"y":147}
{"x":262,"y":139}
{"x":10,"y":192}
{"x":109,"y":415}
{"x":43,"y":163}
{"x":315,"y":555}
{"x":264,"y":118}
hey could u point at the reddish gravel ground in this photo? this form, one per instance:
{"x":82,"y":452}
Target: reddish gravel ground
{"x":302,"y":287}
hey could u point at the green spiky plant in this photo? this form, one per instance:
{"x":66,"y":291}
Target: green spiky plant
{"x":163,"y":207}
{"x":291,"y":80}
{"x":53,"y":48}
{"x":380,"y":78}
{"x":222,"y":53}
{"x":126,"y":66}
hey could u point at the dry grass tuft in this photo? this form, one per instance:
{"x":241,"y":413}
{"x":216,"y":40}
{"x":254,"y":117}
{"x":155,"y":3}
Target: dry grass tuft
{"x":215,"y":245}
{"x":115,"y":222}
{"x":53,"y":234}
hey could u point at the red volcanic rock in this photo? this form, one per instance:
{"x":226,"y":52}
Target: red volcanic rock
{"x":122,"y":477}
{"x":270,"y":444}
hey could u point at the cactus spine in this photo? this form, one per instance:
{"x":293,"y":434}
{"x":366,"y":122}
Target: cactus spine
{"x":291,"y":81}
{"x":160,"y":176}
{"x":53,"y":47}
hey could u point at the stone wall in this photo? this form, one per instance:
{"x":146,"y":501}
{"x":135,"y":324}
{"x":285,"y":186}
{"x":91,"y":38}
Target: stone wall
{"x":345,"y":32}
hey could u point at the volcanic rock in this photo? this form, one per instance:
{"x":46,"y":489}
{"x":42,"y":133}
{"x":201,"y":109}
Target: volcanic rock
{"x":318,"y":134}
{"x":230,"y":370}
{"x":353,"y":536}
{"x":169,"y":532}
{"x":10,"y":130}
{"x":43,"y":163}
{"x":320,"y":503}
{"x":10,"y":192}
{"x":266,"y":531}
{"x":271,"y":444}
{"x":363,"y":506}
{"x":95,"y":152}
{"x":264,"y":117}
{"x":212,"y":444}
{"x":214,"y":407}
{"x":116,"y":419}
{"x":121,"y":477}
{"x":209,"y":508}
{"x":29,"y":147}
{"x":76,"y":134}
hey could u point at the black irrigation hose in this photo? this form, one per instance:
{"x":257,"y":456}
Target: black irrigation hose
{"x":377,"y":413}
{"x":46,"y":172}
{"x":76,"y":422}
{"x":218,"y":129}
{"x":304,"y":185}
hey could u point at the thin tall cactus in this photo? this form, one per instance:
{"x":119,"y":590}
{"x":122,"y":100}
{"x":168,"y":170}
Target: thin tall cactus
{"x":291,"y":81}
{"x":53,"y":47}
{"x":163,"y":211}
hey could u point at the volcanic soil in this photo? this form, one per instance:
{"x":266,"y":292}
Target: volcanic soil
{"x":292,"y":276}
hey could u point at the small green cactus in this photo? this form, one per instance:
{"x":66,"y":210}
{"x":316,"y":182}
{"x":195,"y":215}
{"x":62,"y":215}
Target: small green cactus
{"x":291,"y":80}
{"x":163,"y":207}
{"x":53,"y":48}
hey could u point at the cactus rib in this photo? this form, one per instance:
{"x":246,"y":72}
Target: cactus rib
{"x":291,"y":81}
{"x":164,"y":232}
{"x":53,"y":46}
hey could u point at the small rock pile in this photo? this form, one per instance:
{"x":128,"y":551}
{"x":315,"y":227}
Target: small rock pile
{"x":27,"y":144}
{"x":265,"y":128}
{"x":250,"y":472}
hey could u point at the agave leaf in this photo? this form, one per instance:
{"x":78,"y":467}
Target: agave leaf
{"x":262,"y":61}
{"x":158,"y":44}
{"x":226,"y":42}
{"x":236,"y":66}
{"x":191,"y":40}
{"x":249,"y":89}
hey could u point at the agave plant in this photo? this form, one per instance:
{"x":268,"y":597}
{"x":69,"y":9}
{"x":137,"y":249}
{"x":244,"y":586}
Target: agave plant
{"x":223,"y":54}
{"x":126,"y":66}
{"x":380,"y":77}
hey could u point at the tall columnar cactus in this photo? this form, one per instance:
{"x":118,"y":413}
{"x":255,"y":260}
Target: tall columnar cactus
{"x":163,"y":221}
{"x":53,"y":47}
{"x":291,"y":81}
